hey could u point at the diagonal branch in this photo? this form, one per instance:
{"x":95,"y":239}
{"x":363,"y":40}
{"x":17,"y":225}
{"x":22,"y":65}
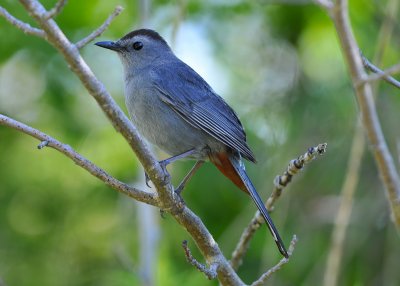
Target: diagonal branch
{"x":25,"y":27}
{"x":280,"y":183}
{"x":294,"y":167}
{"x":96,"y":33}
{"x":342,"y":220}
{"x":97,"y":90}
{"x":369,"y":116}
{"x":81,"y":161}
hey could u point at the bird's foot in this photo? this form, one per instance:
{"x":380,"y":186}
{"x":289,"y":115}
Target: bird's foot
{"x":163,"y":165}
{"x":179,"y":190}
{"x":147,"y":179}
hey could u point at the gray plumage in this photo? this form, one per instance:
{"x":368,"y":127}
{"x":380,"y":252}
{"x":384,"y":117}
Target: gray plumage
{"x":175,"y":89}
{"x":175,"y":109}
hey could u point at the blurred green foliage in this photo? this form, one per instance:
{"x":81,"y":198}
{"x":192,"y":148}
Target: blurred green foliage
{"x":284,"y":75}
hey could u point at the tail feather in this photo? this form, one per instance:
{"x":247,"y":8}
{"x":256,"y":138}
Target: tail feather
{"x":232,"y":167}
{"x":223,"y":163}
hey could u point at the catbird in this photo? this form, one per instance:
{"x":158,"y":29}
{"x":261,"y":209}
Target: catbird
{"x":174,"y":108}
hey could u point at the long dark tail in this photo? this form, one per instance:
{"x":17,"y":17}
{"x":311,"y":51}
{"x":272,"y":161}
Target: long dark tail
{"x":233,"y":168}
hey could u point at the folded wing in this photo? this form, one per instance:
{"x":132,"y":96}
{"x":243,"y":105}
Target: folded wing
{"x":189,"y":95}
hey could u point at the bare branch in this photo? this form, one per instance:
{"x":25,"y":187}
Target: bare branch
{"x":380,"y":74}
{"x":384,"y":160}
{"x":280,"y":182}
{"x":278,"y":266}
{"x":210,"y":272}
{"x":99,"y":30}
{"x":342,"y":220}
{"x":119,"y":186}
{"x":25,"y":27}
{"x":294,"y":167}
{"x":53,"y":12}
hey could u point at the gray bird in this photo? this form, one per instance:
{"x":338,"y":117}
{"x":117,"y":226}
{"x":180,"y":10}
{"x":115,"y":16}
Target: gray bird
{"x":175,"y":109}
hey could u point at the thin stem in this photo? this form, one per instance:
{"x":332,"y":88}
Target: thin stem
{"x":81,"y":161}
{"x":57,"y":9}
{"x":210,"y":272}
{"x":25,"y":27}
{"x":381,"y":74}
{"x":96,"y":33}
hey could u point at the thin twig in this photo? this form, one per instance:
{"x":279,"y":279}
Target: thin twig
{"x":210,"y":272}
{"x":53,"y":12}
{"x":294,"y":167}
{"x":25,"y":27}
{"x":81,"y":161}
{"x":278,"y":266}
{"x":381,"y":74}
{"x":99,"y":30}
{"x":280,"y":183}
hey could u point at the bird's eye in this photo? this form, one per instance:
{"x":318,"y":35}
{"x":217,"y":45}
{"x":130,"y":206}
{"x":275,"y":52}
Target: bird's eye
{"x":137,"y":45}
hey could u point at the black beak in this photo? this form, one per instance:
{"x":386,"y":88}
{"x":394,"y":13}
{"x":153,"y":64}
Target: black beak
{"x":109,"y":45}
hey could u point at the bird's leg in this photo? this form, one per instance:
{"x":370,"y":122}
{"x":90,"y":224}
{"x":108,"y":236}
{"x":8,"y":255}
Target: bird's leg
{"x":168,"y":161}
{"x":172,"y":159}
{"x":189,"y":175}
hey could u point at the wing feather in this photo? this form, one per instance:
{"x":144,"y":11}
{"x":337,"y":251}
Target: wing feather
{"x":188,"y":94}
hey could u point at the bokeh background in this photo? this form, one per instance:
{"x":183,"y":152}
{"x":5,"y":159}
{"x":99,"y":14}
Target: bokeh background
{"x":277,"y":63}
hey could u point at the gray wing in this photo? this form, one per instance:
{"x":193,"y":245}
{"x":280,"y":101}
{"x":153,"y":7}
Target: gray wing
{"x":189,"y":95}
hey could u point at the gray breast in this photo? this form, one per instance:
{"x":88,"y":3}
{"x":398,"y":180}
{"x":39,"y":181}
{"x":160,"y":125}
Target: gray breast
{"x":162,"y":126}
